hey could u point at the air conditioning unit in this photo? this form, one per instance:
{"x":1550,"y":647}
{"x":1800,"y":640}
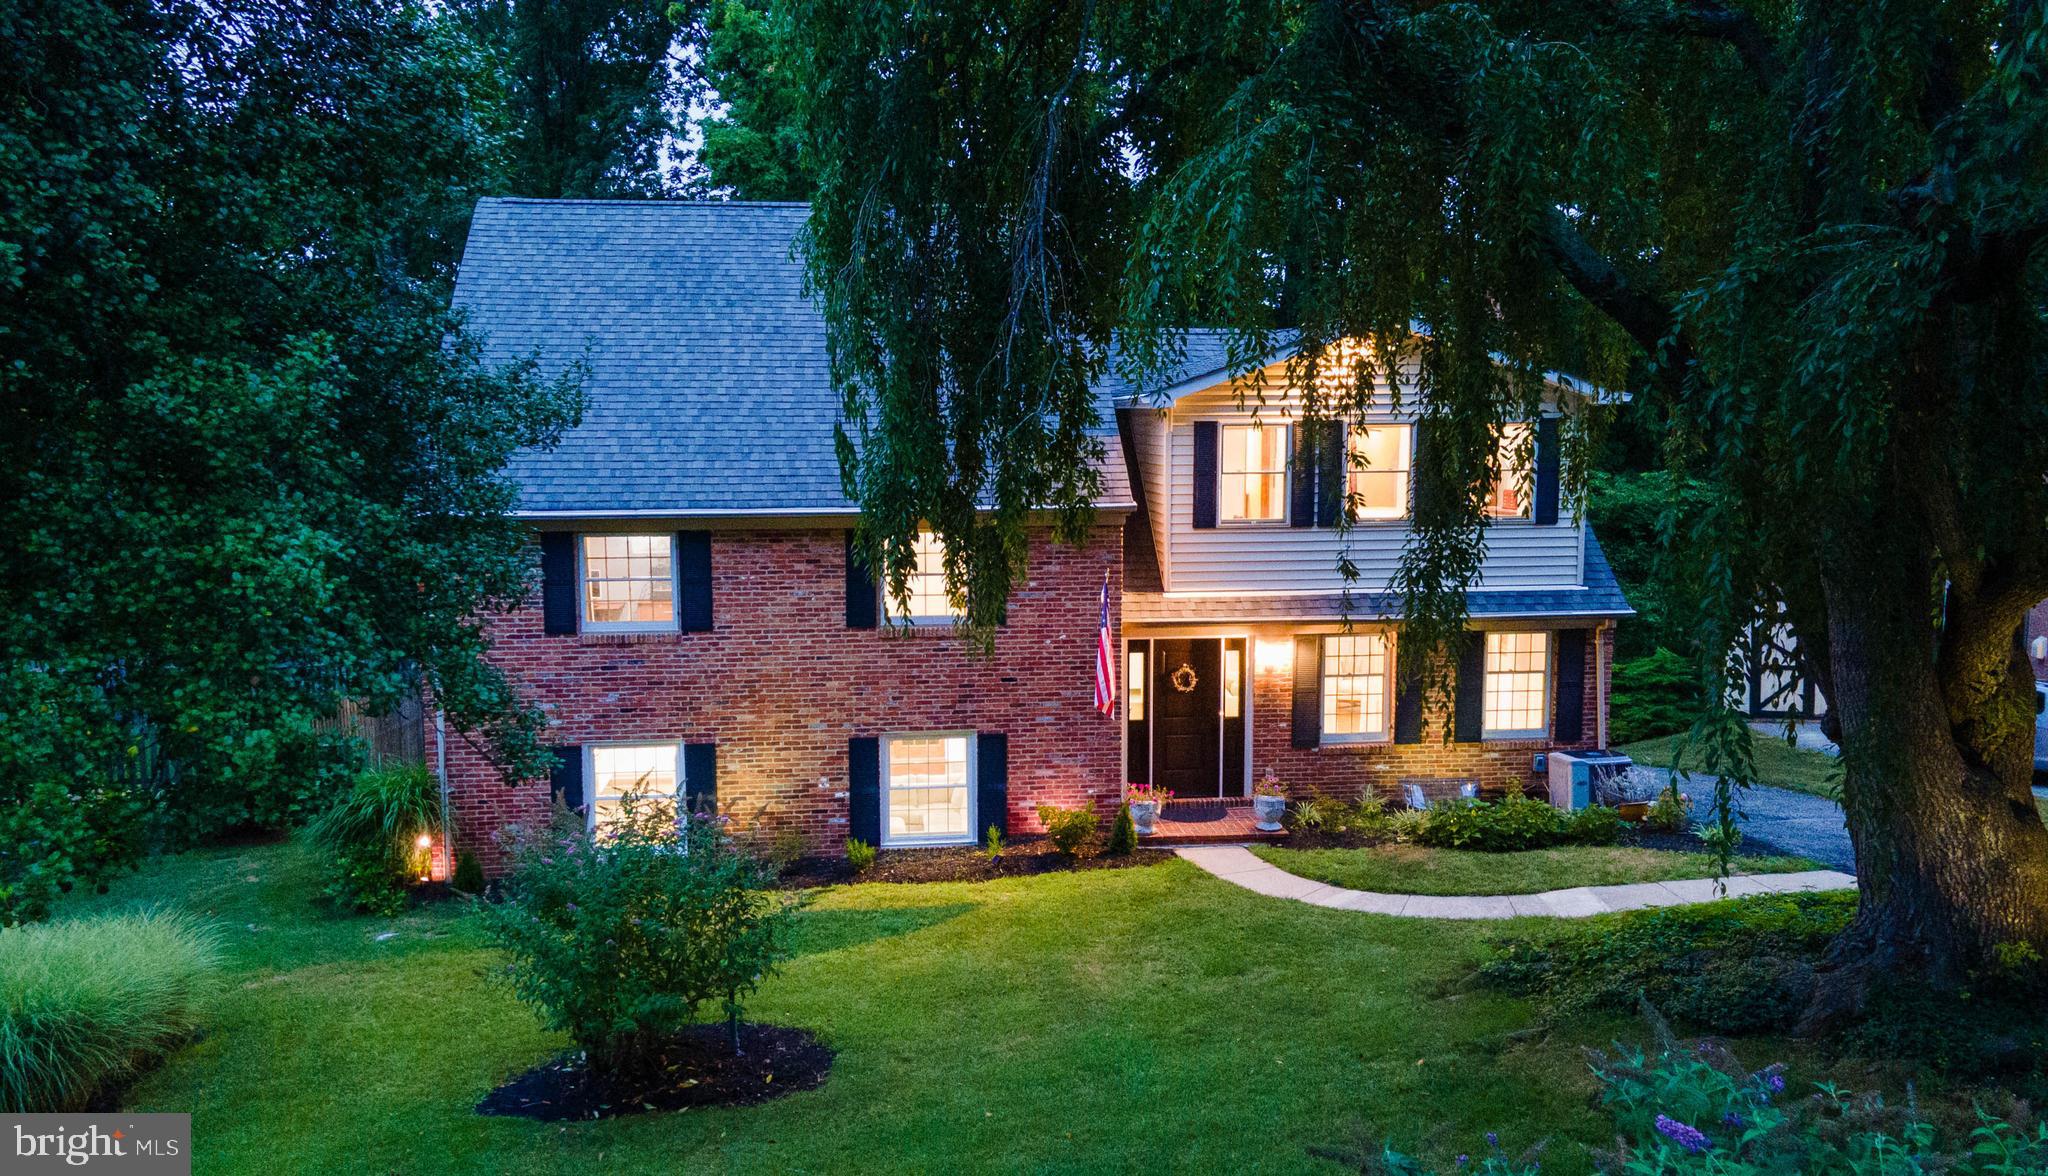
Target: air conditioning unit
{"x":1582,"y":778}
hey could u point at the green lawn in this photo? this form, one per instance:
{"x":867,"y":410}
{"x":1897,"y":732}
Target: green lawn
{"x":1778,"y":763}
{"x":1415,"y":869}
{"x":1101,"y":1021}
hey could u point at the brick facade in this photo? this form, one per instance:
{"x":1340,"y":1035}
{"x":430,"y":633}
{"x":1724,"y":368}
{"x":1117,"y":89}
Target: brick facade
{"x":781,"y":683}
{"x":1344,"y":770}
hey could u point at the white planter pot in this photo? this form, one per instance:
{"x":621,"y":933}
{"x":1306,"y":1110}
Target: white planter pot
{"x":1143,"y":813}
{"x":1269,"y":810}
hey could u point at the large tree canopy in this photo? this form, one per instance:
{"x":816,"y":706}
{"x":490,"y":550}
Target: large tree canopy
{"x":1804,"y":234}
{"x":249,"y":467}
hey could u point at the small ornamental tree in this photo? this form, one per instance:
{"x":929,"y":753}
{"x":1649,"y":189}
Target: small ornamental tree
{"x":619,"y":937}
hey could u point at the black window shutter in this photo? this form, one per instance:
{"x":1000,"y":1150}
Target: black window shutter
{"x":557,"y":582}
{"x":992,"y":781}
{"x":1301,"y":474}
{"x":693,"y":578}
{"x":1408,"y":692}
{"x":1207,"y":445}
{"x":1422,"y":486}
{"x":565,"y":779}
{"x":700,"y":777}
{"x":1469,"y":713}
{"x":862,"y":596}
{"x":1308,"y":691}
{"x":864,"y":789}
{"x":1571,"y":684}
{"x":1330,"y":476}
{"x":1546,"y":470}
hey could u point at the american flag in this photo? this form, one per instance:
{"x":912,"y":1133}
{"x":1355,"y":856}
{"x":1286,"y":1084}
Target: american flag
{"x":1105,"y":658}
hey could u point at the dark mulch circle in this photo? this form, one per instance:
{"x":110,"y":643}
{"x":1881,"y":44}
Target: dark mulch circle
{"x":698,"y":1071}
{"x":960,"y":864}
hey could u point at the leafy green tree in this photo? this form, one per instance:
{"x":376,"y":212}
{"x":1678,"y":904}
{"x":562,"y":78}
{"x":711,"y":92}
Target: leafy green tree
{"x":597,"y":89}
{"x":752,"y":148}
{"x":250,"y":466}
{"x":1811,"y":229}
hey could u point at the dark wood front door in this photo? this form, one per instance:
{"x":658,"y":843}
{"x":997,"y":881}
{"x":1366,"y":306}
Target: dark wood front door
{"x":1187,"y":739}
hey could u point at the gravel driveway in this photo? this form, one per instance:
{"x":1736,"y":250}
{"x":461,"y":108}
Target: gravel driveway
{"x":1792,"y":822}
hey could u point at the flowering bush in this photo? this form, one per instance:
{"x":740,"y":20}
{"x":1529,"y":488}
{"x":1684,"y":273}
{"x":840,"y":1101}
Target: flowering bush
{"x":619,"y":937}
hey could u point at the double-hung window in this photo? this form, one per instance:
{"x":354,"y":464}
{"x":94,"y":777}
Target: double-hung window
{"x":643,"y":771}
{"x":629,"y":583}
{"x":1515,"y":474}
{"x":1517,"y":685}
{"x":929,"y":602}
{"x":1252,"y":474}
{"x":1357,"y":673}
{"x":1379,"y":460}
{"x":927,"y":790}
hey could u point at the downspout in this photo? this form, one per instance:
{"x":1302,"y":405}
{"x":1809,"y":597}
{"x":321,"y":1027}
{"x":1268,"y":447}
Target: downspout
{"x":441,"y":774}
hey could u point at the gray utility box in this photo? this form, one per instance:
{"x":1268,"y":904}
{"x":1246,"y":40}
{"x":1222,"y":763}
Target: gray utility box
{"x":1582,"y":778}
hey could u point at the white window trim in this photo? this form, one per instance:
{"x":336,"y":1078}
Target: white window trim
{"x":890,"y":617}
{"x":973,"y":791}
{"x":1287,"y":474}
{"x":1386,"y":733}
{"x":1549,"y":685}
{"x":675,"y":591}
{"x":1528,"y":517}
{"x":590,"y":789}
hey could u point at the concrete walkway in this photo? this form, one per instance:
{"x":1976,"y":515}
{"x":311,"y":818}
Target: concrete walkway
{"x":1237,"y":865}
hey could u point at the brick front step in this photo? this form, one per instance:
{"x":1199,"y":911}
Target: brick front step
{"x":1207,"y":823}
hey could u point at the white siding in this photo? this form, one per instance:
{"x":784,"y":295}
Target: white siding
{"x":1520,"y":555}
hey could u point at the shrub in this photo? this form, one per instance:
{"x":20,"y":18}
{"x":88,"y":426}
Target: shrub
{"x":1670,"y":812}
{"x":992,"y":844}
{"x":469,"y":873}
{"x":1072,"y":830}
{"x":1313,"y":814}
{"x":369,"y":836}
{"x":1406,"y":824}
{"x":1123,"y":833}
{"x":860,"y":855}
{"x":1511,"y":823}
{"x":1593,"y":825}
{"x":786,"y":847}
{"x":1729,"y":967}
{"x":84,"y":1003}
{"x":621,"y":935}
{"x":1652,"y":696}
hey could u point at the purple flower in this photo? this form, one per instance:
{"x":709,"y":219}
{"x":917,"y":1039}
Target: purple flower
{"x":1683,"y":1134}
{"x":1732,"y":1119}
{"x":1777,"y":1083}
{"x":1464,"y":1160}
{"x":572,"y":908}
{"x":1492,"y":1139}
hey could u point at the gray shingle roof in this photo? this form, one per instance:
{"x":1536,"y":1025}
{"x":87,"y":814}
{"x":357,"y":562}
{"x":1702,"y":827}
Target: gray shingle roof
{"x":1601,"y":597}
{"x":708,"y":386}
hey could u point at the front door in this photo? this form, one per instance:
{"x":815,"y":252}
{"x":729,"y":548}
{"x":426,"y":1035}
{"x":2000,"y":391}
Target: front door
{"x":1188,"y":735}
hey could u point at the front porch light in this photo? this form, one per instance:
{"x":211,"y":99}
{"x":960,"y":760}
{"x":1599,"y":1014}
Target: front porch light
{"x":1275,"y":655}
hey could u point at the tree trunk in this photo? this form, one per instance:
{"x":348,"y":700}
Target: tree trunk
{"x":1951,"y":854}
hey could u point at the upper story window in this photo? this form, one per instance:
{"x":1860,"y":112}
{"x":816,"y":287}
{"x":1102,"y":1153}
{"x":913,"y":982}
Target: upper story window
{"x":1379,"y":466}
{"x":1517,"y":685}
{"x":644,"y":771}
{"x":629,"y":582}
{"x":1252,"y":474}
{"x":929,"y":602}
{"x":1357,"y":668}
{"x":1508,"y":498}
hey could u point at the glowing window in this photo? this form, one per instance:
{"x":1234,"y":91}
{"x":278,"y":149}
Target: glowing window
{"x":1379,"y":461}
{"x":929,"y":602}
{"x":1134,"y":682}
{"x":629,"y":582}
{"x":1517,"y":684}
{"x":645,"y":771}
{"x":1233,"y":682}
{"x":925,"y":795}
{"x":1356,"y":670}
{"x":1253,"y":477}
{"x":1514,"y":460}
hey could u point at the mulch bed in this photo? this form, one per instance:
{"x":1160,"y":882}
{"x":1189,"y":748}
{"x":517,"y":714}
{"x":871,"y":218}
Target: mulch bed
{"x":699,"y":1071}
{"x":960,"y":864}
{"x":1638,"y":837}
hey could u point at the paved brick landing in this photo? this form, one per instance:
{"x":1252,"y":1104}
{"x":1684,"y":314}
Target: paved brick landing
{"x":1240,"y":867}
{"x":1220,"y":822}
